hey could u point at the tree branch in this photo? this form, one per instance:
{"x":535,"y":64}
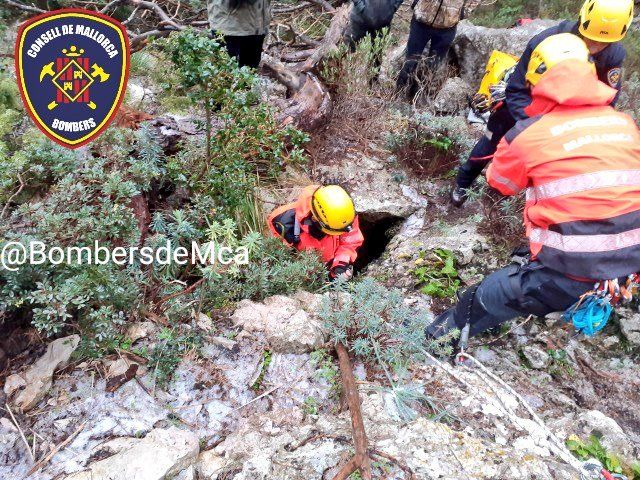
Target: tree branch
{"x":324,"y":5}
{"x":361,"y":459}
{"x":26,"y":8}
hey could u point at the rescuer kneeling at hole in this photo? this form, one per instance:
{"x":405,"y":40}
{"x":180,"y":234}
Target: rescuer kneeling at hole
{"x":579,"y":161}
{"x":323,"y":219}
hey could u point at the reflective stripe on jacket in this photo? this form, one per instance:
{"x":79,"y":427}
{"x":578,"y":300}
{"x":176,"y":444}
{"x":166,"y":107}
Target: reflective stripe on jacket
{"x":443,"y":13}
{"x":338,"y":249}
{"x":252,"y":17}
{"x":579,"y":160}
{"x":608,"y":65}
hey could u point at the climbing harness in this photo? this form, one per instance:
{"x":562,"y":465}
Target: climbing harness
{"x":591,"y":312}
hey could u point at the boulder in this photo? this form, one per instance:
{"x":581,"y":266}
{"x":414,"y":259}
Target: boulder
{"x":473,"y":45}
{"x":289,"y":324}
{"x":39,"y":377}
{"x":612,"y":437}
{"x":536,"y":357}
{"x":162,"y":454}
{"x":373,"y":187}
{"x":453,"y":96}
{"x":630,"y":325}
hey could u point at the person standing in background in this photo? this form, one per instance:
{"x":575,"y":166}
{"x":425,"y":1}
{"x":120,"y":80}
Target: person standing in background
{"x":434,"y":21}
{"x":369,"y":17}
{"x":244,"y":24}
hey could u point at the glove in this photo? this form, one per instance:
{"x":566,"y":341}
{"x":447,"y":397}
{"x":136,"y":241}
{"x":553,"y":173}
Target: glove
{"x":498,"y":92}
{"x":341,"y":271}
{"x":480,"y":103}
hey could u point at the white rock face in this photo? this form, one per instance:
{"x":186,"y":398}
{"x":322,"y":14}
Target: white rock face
{"x":39,"y":377}
{"x":264,"y":447}
{"x":630,"y":325}
{"x":372,"y":186}
{"x":162,"y":454}
{"x":289,"y":324}
{"x":473,"y":44}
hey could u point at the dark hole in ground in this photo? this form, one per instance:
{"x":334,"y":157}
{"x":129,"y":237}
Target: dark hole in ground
{"x":378,"y":232}
{"x":428,"y":158}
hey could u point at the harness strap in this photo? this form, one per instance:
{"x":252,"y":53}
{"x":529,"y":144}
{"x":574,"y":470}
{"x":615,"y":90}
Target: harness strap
{"x":296,"y":231}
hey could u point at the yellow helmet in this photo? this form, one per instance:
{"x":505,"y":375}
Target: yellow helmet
{"x":333,"y":209}
{"x":605,"y":20}
{"x":553,"y":50}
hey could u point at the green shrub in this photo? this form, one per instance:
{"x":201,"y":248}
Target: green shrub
{"x":72,"y":198}
{"x":437,"y":273}
{"x":378,"y":327}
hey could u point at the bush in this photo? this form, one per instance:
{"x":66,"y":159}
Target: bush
{"x":506,"y":13}
{"x":376,"y":325}
{"x":69,"y":198}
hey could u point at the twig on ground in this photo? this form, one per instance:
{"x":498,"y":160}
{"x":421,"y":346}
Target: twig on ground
{"x":24,"y":439}
{"x":361,"y":460}
{"x":268,"y":392}
{"x":401,"y":466}
{"x":55,"y":450}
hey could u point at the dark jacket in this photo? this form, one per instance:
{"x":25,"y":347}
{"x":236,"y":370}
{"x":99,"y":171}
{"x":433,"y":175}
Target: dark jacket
{"x":608,"y":64}
{"x":374,"y":14}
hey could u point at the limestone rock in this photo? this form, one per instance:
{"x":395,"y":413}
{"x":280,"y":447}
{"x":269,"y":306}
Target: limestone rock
{"x":536,"y":357}
{"x":630,"y":325}
{"x":13,"y":383}
{"x":264,"y":448}
{"x":375,"y":191}
{"x":140,"y":330}
{"x":473,"y":45}
{"x":39,"y":377}
{"x":612,"y":437}
{"x":453,"y":96}
{"x":289,"y":324}
{"x":162,"y":454}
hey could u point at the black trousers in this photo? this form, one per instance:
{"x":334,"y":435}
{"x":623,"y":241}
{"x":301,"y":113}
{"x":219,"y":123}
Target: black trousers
{"x":500,"y":122}
{"x":247,"y":49}
{"x":420,"y":34}
{"x":356,"y":31}
{"x":509,"y":293}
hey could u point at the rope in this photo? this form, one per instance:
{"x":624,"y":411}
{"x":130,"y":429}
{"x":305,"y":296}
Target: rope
{"x":586,"y":469}
{"x":590,"y":314}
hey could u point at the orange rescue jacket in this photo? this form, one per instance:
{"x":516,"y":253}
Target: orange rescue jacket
{"x":579,"y":161}
{"x":337,"y":249}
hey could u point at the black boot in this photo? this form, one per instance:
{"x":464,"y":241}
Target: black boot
{"x":456,"y":317}
{"x":458,"y":196}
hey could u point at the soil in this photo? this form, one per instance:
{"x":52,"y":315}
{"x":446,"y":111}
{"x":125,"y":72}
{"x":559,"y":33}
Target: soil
{"x":427,"y":161}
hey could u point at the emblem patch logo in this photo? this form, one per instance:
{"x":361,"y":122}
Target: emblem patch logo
{"x":72,"y":67}
{"x":614,"y":76}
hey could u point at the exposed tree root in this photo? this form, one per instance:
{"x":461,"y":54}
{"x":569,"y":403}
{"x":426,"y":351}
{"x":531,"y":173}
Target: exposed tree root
{"x":361,"y":460}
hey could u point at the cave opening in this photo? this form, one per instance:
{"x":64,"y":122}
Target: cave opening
{"x":378,"y":230}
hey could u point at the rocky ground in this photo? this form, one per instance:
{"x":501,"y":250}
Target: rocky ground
{"x":263,"y":399}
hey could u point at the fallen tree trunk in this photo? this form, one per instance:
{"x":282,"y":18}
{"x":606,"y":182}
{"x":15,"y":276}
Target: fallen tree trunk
{"x":310,"y":103}
{"x":331,"y":38}
{"x":361,"y":460}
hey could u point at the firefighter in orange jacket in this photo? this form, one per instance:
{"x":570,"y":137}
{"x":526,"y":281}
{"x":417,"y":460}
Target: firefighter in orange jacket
{"x":324,"y":219}
{"x":579,"y":161}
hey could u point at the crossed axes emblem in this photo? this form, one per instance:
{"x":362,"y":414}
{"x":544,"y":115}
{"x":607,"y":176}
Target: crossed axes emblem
{"x":97,"y":74}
